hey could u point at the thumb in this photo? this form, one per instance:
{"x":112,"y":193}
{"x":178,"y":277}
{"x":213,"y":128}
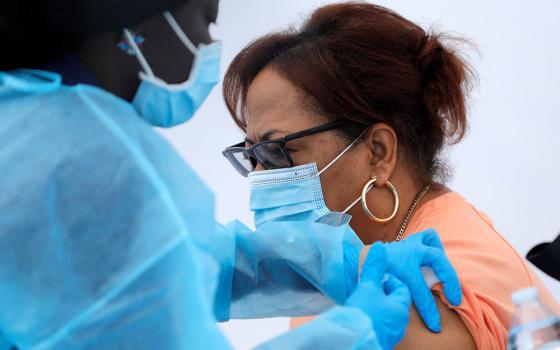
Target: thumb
{"x":375,"y":265}
{"x":397,"y":290}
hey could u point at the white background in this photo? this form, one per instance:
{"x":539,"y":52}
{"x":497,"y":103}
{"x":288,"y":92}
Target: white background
{"x":509,"y":164}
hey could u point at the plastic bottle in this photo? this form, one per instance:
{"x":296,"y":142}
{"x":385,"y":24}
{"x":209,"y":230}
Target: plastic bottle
{"x":534,"y":326}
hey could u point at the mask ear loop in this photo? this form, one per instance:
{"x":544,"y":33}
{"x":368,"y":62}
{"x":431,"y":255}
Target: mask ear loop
{"x":357,"y":200}
{"x":338,"y":157}
{"x":138,"y":53}
{"x":180,"y":33}
{"x":342,"y":153}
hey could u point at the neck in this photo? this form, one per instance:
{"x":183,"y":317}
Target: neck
{"x":381,"y":203}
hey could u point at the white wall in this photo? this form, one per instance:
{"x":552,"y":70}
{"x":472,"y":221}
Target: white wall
{"x":509,"y":164}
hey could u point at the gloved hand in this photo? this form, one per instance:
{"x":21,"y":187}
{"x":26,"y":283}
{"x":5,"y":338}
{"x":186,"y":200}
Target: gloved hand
{"x":405,"y":259}
{"x":382,"y":297}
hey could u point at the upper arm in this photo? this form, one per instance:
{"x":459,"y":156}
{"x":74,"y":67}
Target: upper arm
{"x":454,"y":334}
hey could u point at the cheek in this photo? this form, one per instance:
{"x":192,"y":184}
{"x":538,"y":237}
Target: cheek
{"x":344,"y":184}
{"x":305,"y":153}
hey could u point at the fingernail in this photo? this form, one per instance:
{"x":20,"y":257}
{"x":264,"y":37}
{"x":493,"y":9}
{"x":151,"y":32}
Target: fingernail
{"x":436,"y":328}
{"x":457,"y":298}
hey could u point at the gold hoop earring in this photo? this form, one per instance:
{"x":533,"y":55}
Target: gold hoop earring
{"x":365,"y":206}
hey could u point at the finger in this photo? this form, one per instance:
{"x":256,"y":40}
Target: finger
{"x":431,"y":238}
{"x":397,"y":290}
{"x":425,"y":302}
{"x":375,"y":265}
{"x":440,"y":264}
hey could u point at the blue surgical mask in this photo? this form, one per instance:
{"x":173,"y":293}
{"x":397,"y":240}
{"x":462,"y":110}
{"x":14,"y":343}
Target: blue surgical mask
{"x":294,"y":194}
{"x":166,"y":105}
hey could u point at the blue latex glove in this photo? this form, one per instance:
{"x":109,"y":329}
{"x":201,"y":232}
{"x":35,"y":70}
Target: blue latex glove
{"x":424,"y":249}
{"x":382,"y":297}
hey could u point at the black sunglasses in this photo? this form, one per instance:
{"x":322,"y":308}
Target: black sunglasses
{"x":270,"y":154}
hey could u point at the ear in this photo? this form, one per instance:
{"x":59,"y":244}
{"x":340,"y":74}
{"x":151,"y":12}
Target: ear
{"x":382,"y":140}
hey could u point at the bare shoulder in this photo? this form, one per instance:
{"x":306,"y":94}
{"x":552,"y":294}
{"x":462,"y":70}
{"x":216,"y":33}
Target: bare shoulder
{"x":454,"y":334}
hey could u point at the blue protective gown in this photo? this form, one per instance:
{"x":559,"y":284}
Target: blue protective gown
{"x":108,"y":239}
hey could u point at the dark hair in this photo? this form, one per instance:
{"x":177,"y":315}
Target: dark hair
{"x":36,"y":31}
{"x":365,"y":63}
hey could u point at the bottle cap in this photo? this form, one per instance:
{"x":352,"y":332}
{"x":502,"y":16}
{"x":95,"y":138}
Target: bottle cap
{"x":524,"y":295}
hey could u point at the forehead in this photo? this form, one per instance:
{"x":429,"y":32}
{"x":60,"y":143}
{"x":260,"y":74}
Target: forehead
{"x":273,"y":102}
{"x":209,"y":7}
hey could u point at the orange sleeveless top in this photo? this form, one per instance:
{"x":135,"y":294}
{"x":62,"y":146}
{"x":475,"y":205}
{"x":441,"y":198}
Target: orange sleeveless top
{"x":488,"y":266}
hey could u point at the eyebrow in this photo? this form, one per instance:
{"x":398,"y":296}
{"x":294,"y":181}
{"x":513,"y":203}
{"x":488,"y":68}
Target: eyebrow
{"x":267,"y":136}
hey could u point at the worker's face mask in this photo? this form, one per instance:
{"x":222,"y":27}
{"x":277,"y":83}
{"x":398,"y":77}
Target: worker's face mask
{"x":294,"y":194}
{"x":167,"y":105}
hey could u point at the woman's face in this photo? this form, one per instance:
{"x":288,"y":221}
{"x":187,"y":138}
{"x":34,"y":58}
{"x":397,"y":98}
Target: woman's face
{"x":276,"y":108}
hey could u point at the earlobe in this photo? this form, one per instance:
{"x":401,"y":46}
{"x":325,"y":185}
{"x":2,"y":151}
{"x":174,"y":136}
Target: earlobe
{"x":382,"y":177}
{"x":383,"y":144}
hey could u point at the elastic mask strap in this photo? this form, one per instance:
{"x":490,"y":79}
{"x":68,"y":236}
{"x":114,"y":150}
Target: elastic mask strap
{"x":356,"y":201}
{"x":138,"y":53}
{"x":343,"y":152}
{"x":180,"y":33}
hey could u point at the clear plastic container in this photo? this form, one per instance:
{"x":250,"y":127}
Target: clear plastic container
{"x":534,"y":326}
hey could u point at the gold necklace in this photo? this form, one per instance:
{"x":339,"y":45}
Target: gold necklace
{"x":411,"y":211}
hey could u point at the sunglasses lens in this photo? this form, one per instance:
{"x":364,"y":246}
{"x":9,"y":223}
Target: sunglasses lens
{"x":244,"y":165}
{"x":271,"y":156}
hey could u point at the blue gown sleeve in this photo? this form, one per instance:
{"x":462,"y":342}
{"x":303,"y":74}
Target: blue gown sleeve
{"x":284,"y":268}
{"x":341,"y":328}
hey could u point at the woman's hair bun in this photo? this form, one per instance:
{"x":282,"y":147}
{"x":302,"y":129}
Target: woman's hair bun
{"x":446,"y":79}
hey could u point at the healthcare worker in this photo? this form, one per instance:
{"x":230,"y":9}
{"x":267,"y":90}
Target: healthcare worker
{"x":108,"y":239}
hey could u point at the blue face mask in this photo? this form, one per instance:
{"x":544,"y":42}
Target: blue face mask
{"x":294,"y":194}
{"x":167,"y":105}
